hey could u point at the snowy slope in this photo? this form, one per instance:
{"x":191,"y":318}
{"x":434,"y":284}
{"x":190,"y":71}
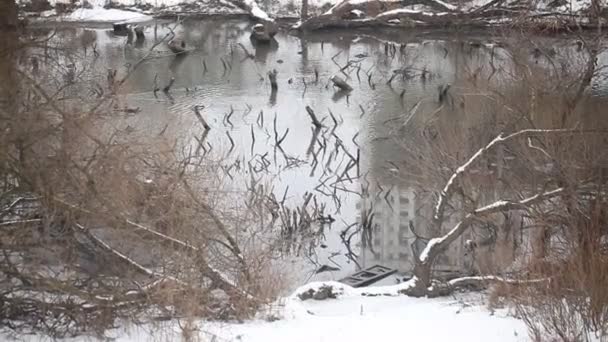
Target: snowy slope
{"x":352,"y":318}
{"x":364,"y":319}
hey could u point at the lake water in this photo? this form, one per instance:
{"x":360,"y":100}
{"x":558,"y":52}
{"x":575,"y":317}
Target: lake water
{"x":379,"y":121}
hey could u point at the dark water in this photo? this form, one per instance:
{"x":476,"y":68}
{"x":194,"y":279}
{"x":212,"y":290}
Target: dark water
{"x":220,"y":75}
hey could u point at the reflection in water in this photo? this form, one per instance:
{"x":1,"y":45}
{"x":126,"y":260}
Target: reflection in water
{"x":263,"y":50}
{"x":430,"y":89}
{"x":176,"y":62}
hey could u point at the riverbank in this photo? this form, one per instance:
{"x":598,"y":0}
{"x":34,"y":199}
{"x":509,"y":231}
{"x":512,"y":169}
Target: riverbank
{"x":59,"y":10}
{"x":552,"y":15}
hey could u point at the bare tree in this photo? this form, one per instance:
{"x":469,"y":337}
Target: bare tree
{"x":542,"y":173}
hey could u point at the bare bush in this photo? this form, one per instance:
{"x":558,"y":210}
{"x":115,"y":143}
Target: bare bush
{"x":100,"y":223}
{"x":573,"y":304}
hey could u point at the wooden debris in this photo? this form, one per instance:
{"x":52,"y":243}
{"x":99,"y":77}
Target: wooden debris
{"x":272,"y":76}
{"x":312,"y":115}
{"x":340,"y":83}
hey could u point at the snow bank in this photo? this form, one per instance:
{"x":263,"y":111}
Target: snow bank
{"x":99,"y":14}
{"x":342,"y":290}
{"x":381,"y":318}
{"x":352,"y":318}
{"x":345,"y":291}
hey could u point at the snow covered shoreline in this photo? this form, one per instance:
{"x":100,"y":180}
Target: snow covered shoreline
{"x":349,"y":317}
{"x":332,"y":13}
{"x":100,"y":11}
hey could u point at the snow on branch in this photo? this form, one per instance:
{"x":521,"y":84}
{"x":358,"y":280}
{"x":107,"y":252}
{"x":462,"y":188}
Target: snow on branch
{"x":436,"y":245}
{"x":466,"y":281}
{"x":447,"y":189}
{"x":253,"y":9}
{"x":500,"y":139}
{"x":123,"y":258}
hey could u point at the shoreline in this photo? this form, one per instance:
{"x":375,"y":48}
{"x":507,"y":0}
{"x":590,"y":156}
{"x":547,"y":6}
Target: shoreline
{"x":335,"y":19}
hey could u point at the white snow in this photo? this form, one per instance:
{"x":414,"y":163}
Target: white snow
{"x":99,"y":14}
{"x":425,"y":252}
{"x":356,"y":318}
{"x":102,"y":3}
{"x":357,"y":2}
{"x":399,"y":10}
{"x":446,"y":5}
{"x":473,"y":4}
{"x":351,"y":318}
{"x":256,"y":11}
{"x":358,"y":13}
{"x":365,"y":319}
{"x":289,"y":6}
{"x":348,"y":291}
{"x":409,"y":11}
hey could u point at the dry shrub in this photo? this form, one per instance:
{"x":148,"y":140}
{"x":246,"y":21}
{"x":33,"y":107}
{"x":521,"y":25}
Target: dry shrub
{"x":572,"y":304}
{"x":101,"y":223}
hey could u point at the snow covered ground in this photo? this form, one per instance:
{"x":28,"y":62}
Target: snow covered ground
{"x":281,"y":8}
{"x":99,"y":14}
{"x":351,"y":318}
{"x":356,"y":318}
{"x":106,"y":11}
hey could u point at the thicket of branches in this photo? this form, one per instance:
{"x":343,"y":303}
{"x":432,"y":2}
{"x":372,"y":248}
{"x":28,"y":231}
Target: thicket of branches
{"x":517,"y":150}
{"x":99,"y":223}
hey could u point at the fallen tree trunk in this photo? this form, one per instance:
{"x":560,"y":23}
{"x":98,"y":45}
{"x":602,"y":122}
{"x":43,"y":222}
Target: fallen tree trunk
{"x":394,"y":14}
{"x":374,"y":7}
{"x":251,"y":7}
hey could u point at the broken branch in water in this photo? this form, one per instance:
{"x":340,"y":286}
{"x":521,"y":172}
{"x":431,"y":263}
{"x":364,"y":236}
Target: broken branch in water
{"x":283,"y":137}
{"x":252,"y":140}
{"x":224,"y":65}
{"x":333,"y":119}
{"x":247,"y":53}
{"x":200,"y":117}
{"x":167,"y":88}
{"x":227,"y":117}
{"x":305,"y":86}
{"x":260,"y":119}
{"x":312,"y":115}
{"x":231,"y":142}
{"x":340,"y":83}
{"x":354,"y":139}
{"x":156,"y":88}
{"x":272,"y":76}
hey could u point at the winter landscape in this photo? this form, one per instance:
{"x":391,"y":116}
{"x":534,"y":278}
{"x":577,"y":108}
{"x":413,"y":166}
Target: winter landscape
{"x":303,"y":170}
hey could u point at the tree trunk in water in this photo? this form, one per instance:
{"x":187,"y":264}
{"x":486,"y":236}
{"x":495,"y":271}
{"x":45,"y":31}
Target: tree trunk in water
{"x":304,"y":10}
